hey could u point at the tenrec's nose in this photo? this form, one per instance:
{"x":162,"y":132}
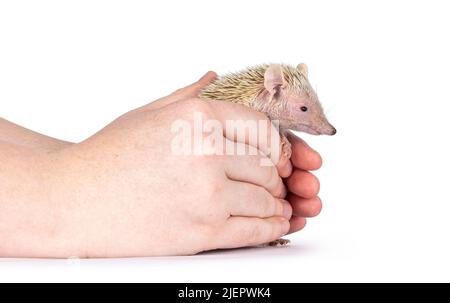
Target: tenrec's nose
{"x":333,"y":132}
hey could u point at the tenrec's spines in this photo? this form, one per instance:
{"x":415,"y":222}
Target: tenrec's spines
{"x":244,"y":86}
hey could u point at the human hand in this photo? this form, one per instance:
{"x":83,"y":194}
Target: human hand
{"x":303,"y":186}
{"x":122,"y":192}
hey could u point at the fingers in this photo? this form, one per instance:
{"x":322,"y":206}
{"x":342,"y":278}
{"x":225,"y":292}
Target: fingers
{"x":302,"y":207}
{"x":303,"y":156}
{"x":284,"y":165}
{"x":249,"y":168}
{"x":189,"y":91}
{"x":240,"y":231}
{"x":194,"y":89}
{"x":303,"y":184}
{"x":253,"y":128}
{"x":296,"y":224}
{"x":244,"y":125}
{"x":248,"y":200}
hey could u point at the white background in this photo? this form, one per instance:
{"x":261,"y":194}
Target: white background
{"x":381,"y":69}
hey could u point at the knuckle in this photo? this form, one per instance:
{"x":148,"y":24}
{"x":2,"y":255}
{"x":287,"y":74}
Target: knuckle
{"x":254,"y":234}
{"x":209,"y":232}
{"x":197,"y":104}
{"x":258,"y":194}
{"x":219,"y":205}
{"x":268,"y":177}
{"x":279,"y":207}
{"x":272,"y":233}
{"x":276,"y":230}
{"x":214,"y":189}
{"x":270,"y":206}
{"x":279,"y":191}
{"x":178,"y":91}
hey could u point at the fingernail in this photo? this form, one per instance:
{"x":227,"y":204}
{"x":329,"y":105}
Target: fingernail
{"x":283,"y":191}
{"x":205,"y":75}
{"x":287,"y":210}
{"x":285,"y":227}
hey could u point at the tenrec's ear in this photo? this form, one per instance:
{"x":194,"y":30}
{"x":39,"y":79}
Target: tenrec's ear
{"x":273,"y":78}
{"x":303,"y":69}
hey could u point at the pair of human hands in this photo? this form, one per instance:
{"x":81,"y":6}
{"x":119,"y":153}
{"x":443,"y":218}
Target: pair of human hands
{"x":122,"y":192}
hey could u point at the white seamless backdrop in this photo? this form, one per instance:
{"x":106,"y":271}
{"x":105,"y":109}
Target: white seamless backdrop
{"x":381,"y":69}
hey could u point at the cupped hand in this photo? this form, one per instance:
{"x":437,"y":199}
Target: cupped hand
{"x":124,"y":192}
{"x":303,"y":186}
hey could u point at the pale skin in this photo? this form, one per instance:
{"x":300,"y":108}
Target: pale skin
{"x":121,"y":193}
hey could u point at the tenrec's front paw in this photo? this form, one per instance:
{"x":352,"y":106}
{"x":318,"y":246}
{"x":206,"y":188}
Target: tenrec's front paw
{"x":286,"y":147}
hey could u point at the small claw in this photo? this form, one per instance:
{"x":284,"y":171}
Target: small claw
{"x":286,"y":147}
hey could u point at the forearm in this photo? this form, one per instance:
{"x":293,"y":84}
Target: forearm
{"x":30,"y":224}
{"x":18,"y":135}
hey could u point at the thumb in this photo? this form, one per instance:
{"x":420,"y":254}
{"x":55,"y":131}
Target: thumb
{"x":190,"y":91}
{"x":194,"y":89}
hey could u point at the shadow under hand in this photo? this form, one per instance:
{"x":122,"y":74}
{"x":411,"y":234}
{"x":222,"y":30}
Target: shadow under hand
{"x":292,"y":249}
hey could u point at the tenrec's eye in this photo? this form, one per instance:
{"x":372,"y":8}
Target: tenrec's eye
{"x":304,"y":108}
